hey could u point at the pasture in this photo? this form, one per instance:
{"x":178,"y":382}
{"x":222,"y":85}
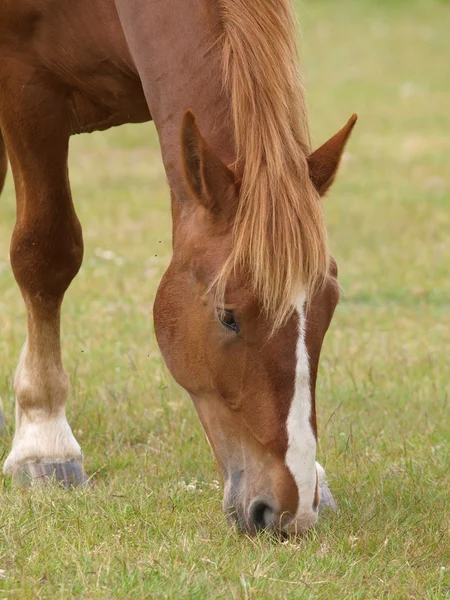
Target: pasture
{"x":152,"y":525}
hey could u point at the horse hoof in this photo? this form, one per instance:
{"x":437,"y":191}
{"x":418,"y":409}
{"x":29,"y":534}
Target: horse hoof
{"x":2,"y":421}
{"x":67,"y":473}
{"x":327,"y":502}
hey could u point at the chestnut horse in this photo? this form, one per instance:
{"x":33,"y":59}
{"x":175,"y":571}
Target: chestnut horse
{"x":243,"y":308}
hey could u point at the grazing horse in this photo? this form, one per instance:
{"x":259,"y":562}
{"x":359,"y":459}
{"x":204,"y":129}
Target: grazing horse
{"x":242,"y":310}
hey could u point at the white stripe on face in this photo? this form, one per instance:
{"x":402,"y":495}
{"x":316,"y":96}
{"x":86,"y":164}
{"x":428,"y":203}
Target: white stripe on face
{"x":301,"y":452}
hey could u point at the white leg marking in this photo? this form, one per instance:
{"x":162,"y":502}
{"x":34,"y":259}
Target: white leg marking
{"x":301,"y":452}
{"x":40,"y":383}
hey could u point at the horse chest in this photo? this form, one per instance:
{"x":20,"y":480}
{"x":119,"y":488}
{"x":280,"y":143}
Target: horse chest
{"x":91,"y":67}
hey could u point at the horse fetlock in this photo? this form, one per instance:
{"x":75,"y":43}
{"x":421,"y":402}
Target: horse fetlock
{"x":37,"y":393}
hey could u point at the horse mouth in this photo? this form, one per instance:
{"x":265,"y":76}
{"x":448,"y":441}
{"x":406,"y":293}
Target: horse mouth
{"x":262,"y":514}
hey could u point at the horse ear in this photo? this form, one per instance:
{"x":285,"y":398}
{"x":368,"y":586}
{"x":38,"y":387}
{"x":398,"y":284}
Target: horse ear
{"x":324,"y":162}
{"x":210,"y":181}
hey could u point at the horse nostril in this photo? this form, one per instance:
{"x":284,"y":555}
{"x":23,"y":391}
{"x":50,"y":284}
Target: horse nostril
{"x":261,"y":514}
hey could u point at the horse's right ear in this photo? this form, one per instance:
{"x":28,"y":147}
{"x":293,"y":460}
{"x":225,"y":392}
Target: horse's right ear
{"x":324,"y":162}
{"x":210,"y":182}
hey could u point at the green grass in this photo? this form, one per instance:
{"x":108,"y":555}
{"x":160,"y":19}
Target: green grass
{"x":152,"y":525}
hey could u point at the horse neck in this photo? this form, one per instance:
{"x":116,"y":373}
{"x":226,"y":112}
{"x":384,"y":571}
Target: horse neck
{"x":178,"y":57}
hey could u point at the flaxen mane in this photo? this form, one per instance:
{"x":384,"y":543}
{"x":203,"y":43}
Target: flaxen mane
{"x":279,"y":233}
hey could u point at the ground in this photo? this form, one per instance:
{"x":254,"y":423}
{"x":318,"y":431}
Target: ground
{"x":152,"y":526}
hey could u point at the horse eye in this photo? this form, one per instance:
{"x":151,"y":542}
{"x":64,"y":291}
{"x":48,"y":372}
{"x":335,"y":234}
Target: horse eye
{"x":226,"y":317}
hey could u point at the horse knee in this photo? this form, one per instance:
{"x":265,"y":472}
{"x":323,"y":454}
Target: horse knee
{"x":46,"y":253}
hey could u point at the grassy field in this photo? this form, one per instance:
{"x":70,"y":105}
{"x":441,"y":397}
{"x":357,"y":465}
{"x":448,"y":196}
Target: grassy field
{"x":152,"y":526}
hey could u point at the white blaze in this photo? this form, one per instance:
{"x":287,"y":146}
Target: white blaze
{"x":301,"y":452}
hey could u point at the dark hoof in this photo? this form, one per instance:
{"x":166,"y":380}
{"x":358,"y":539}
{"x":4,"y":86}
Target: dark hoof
{"x":2,"y":421}
{"x":327,"y":502}
{"x":68,"y":473}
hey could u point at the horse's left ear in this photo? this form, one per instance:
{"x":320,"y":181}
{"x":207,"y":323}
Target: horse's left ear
{"x":210,"y":182}
{"x":324,"y":162}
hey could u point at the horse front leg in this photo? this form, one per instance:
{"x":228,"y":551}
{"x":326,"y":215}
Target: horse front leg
{"x":3,"y":169}
{"x":46,"y":253}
